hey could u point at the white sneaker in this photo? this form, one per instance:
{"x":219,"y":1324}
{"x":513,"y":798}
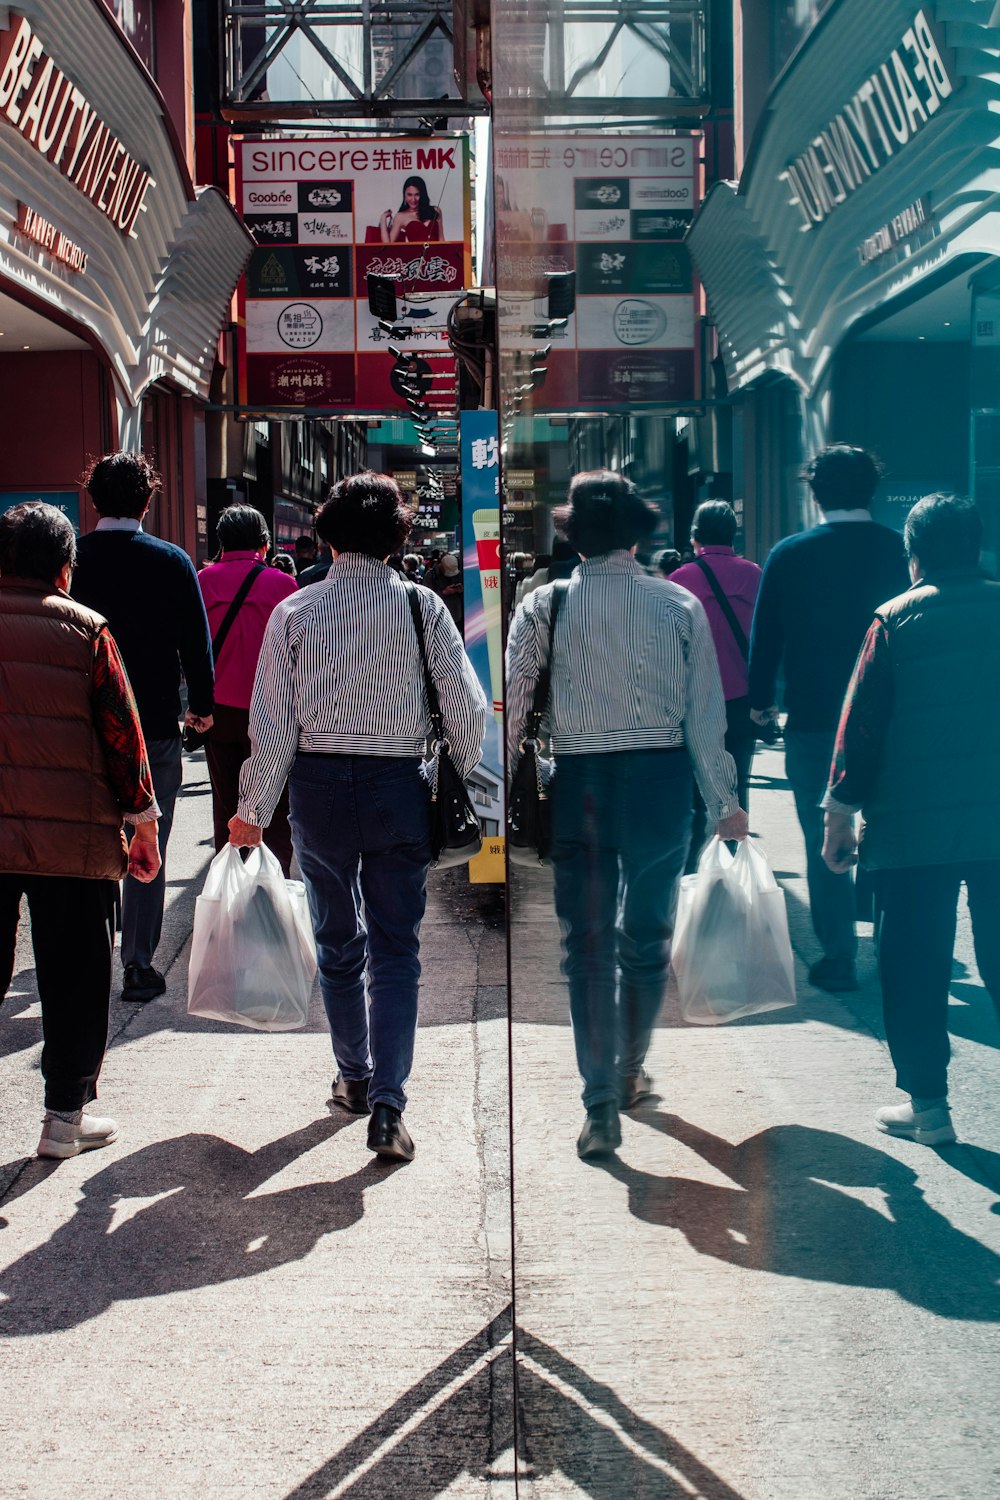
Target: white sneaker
{"x":931,"y":1127}
{"x":65,"y":1133}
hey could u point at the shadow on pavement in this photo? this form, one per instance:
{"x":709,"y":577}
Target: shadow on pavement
{"x":203,"y":1228}
{"x":18,"y":1032}
{"x":571,"y":1425}
{"x":457,"y":1420}
{"x":787,"y":1214}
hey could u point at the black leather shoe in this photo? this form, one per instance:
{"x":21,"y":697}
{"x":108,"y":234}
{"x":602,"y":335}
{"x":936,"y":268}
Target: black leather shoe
{"x":351,"y":1094}
{"x":388,"y":1137}
{"x":601,"y":1134}
{"x":142,"y":984}
{"x":635,"y":1088}
{"x":837,"y":975}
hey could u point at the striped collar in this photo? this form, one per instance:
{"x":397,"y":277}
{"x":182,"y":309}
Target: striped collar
{"x":358,"y":562}
{"x":610,"y":562}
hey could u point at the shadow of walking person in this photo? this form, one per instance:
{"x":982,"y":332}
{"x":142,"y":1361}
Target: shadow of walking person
{"x":208,"y":1223}
{"x":793,"y":1211}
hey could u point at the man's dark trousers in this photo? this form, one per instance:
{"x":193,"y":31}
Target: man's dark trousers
{"x":915,"y":917}
{"x":142,"y":905}
{"x":808,"y":754}
{"x":72,"y":932}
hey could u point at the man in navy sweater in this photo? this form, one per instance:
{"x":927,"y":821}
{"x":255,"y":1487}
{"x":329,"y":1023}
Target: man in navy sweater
{"x":817,"y":597}
{"x":147,"y":590}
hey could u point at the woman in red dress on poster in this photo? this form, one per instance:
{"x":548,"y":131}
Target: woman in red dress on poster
{"x":417,"y":222}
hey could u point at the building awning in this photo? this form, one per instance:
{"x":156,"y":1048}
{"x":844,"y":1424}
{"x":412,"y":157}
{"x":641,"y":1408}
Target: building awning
{"x":874,"y":168}
{"x":151,"y":288}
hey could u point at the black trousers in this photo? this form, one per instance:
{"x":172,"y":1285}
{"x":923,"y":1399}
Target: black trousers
{"x":915,"y":915}
{"x":227,"y":747}
{"x":72,"y":933}
{"x":741,"y":742}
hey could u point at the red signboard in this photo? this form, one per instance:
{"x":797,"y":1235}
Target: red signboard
{"x":326,"y":215}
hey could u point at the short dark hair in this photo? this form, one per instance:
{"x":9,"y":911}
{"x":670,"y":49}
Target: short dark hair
{"x":714,"y":524}
{"x":842,"y":477}
{"x":667,"y":561}
{"x":36,"y":541}
{"x":605,"y":513}
{"x":121,"y":484}
{"x":304,"y":541}
{"x":242,"y":528}
{"x":365,"y":513}
{"x":943,"y":531}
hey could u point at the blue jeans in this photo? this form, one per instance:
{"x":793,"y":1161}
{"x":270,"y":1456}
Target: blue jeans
{"x":361,"y":831}
{"x":832,"y":904}
{"x":621,"y":826}
{"x":142,"y":905}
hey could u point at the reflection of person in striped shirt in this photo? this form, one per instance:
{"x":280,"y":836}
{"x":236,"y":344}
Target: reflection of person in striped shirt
{"x":636,"y":705}
{"x":339,"y":708}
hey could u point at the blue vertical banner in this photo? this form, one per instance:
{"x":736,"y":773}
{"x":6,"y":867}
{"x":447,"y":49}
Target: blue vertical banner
{"x":480,"y":466}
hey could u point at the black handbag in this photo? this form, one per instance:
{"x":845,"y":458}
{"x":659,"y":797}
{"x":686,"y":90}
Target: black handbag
{"x":192,"y":739}
{"x":529,"y":811}
{"x":456,"y":834}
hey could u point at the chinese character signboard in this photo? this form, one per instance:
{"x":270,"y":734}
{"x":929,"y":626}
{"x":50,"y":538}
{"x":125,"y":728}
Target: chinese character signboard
{"x":480,"y":460}
{"x":615,"y":212}
{"x":325,"y":215}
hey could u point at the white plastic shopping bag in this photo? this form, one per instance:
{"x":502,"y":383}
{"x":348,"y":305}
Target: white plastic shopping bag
{"x":253,"y":954}
{"x":732,"y":955}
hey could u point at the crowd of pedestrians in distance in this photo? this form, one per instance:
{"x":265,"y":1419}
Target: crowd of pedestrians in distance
{"x":305,"y":684}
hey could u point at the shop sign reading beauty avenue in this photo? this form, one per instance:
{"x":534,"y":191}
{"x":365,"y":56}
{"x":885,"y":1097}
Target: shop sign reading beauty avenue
{"x":895,"y":101}
{"x":50,"y":112}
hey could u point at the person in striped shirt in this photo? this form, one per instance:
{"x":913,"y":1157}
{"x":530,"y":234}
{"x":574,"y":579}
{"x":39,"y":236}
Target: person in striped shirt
{"x":340,"y":710}
{"x":636,"y":705}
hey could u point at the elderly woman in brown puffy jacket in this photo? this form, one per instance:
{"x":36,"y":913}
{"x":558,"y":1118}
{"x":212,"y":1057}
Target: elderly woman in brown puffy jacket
{"x":74,"y":767}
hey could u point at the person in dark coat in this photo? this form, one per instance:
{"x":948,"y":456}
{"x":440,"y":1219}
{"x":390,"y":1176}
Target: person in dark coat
{"x":147,"y":590}
{"x":817,"y":595}
{"x":918,"y":753}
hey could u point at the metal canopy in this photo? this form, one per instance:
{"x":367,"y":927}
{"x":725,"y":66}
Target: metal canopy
{"x":300,"y":59}
{"x":391,"y":59}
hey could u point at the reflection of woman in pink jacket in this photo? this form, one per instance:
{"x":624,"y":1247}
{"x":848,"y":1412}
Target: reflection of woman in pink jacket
{"x":417,"y":222}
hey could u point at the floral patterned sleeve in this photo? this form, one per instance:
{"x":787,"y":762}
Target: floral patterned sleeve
{"x":863,"y":724}
{"x":117,"y":722}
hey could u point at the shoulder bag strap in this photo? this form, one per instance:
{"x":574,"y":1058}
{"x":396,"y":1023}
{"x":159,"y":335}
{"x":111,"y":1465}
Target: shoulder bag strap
{"x":543,"y":686}
{"x":220,"y":636}
{"x":433,"y":702}
{"x":739,"y":634}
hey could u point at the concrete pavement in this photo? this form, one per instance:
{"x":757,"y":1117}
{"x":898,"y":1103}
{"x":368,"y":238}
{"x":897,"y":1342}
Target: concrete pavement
{"x":234,"y":1300}
{"x":760,"y":1299}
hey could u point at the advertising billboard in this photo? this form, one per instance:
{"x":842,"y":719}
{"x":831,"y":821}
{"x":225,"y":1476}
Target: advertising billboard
{"x":326,"y":214}
{"x":614,"y":211}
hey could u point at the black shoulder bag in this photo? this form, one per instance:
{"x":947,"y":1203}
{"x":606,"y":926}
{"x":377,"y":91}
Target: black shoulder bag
{"x":191,"y":738}
{"x":456,"y":835}
{"x":529,"y":812}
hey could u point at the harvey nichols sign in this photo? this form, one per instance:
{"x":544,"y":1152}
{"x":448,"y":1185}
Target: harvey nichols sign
{"x":56,"y":118}
{"x":895,"y":101}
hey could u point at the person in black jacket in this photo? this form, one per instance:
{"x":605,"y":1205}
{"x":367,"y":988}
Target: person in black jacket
{"x":147,"y":590}
{"x":817,"y":596}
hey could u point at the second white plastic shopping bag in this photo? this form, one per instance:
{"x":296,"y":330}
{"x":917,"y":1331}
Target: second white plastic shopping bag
{"x":732,"y":955}
{"x":253,"y":953}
